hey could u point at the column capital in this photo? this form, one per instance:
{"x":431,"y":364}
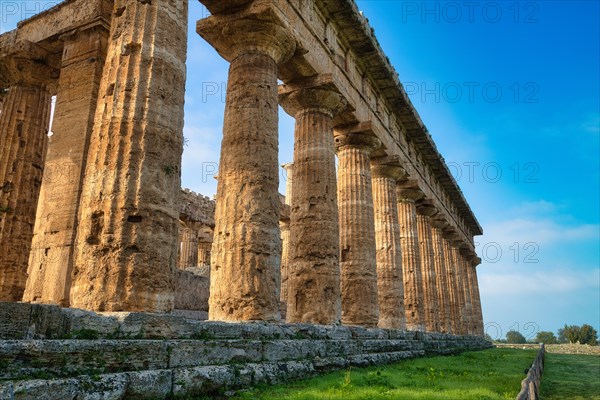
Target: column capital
{"x":260,"y":29}
{"x":314,"y":93}
{"x":388,"y":167}
{"x":361,"y":134}
{"x":439,"y":222}
{"x":408,"y":194}
{"x":427,"y":209}
{"x":476,"y":261}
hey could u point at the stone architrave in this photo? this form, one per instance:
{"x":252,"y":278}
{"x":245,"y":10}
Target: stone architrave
{"x":357,"y":228}
{"x":246,"y":256}
{"x":411,"y":258}
{"x":127,"y":241}
{"x":314,"y":269}
{"x":425,"y":212}
{"x":386,"y":171}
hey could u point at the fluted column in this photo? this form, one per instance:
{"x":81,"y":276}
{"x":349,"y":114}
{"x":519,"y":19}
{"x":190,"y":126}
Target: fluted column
{"x":451,"y":283}
{"x":460,"y":289}
{"x":314,"y":270}
{"x":23,"y":137}
{"x":466,"y":256}
{"x":51,"y":258}
{"x":479,"y":327}
{"x":411,"y":259}
{"x":284,"y":226}
{"x":189,"y":248}
{"x":428,"y":273}
{"x":246,"y":256}
{"x":126,"y":246}
{"x":439,"y":259}
{"x":357,"y":230}
{"x":390,"y":287}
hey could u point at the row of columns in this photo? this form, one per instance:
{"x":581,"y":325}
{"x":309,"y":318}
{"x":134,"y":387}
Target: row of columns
{"x":356,"y":249}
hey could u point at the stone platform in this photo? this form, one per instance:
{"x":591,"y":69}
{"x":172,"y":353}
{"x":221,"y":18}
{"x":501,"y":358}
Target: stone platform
{"x":51,"y":353}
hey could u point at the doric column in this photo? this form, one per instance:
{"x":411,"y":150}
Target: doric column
{"x":451,"y":280}
{"x":439,"y":259}
{"x":467,"y":254}
{"x":314,"y":270}
{"x":390,"y":288}
{"x":189,"y":248}
{"x":53,"y":247}
{"x":479,"y":327}
{"x":411,"y":258}
{"x":430,"y":289}
{"x":23,"y":136}
{"x":246,"y":256}
{"x":460,"y":289}
{"x":126,"y":246}
{"x":357,"y":229}
{"x":284,"y":226}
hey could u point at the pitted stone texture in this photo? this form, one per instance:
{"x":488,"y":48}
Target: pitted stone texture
{"x":246,"y":256}
{"x":357,"y":230}
{"x":430,"y":286}
{"x":24,"y":135}
{"x":51,"y":258}
{"x":411,"y":259}
{"x":191,"y":289}
{"x":390,"y":287}
{"x":127,"y":239}
{"x":314,"y":270}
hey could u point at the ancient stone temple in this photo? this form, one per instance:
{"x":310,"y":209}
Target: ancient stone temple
{"x":93,"y":216}
{"x":369,"y":257}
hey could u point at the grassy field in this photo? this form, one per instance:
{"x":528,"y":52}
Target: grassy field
{"x":484,"y":375}
{"x":573,"y":377}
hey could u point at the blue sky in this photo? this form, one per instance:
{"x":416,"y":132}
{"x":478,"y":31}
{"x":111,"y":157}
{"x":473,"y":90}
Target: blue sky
{"x":510,"y":92}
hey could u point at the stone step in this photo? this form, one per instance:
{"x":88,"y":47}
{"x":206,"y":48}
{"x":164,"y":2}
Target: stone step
{"x":63,"y":358}
{"x":204,"y":380}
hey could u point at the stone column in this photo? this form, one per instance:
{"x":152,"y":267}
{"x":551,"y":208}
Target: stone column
{"x":284,"y":226}
{"x":411,"y":259}
{"x":51,"y":259}
{"x":451,"y":282}
{"x":189,"y":248}
{"x":23,"y":136}
{"x":390,"y":288}
{"x":357,"y":229}
{"x":204,"y":253}
{"x":428,"y":273}
{"x":460,"y":289}
{"x":246,"y":256}
{"x":314,"y":276}
{"x":126,"y":246}
{"x":467,"y":255}
{"x":439,"y":259}
{"x":479,"y":326}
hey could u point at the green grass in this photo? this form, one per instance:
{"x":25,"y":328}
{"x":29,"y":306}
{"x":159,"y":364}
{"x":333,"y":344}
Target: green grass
{"x":483,"y":375}
{"x":573,"y":377}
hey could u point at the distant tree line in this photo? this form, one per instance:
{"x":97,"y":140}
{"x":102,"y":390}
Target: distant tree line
{"x":585,"y":334}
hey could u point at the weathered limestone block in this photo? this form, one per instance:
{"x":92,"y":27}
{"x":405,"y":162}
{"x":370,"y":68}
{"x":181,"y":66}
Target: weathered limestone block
{"x":245,"y":270}
{"x":51,"y":258}
{"x":390,"y":287}
{"x":430,"y":286}
{"x":411,"y":258}
{"x":23,"y":137}
{"x":439,"y":260}
{"x":357,"y":228}
{"x":314,"y":269}
{"x":127,"y":240}
{"x":191,"y":289}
